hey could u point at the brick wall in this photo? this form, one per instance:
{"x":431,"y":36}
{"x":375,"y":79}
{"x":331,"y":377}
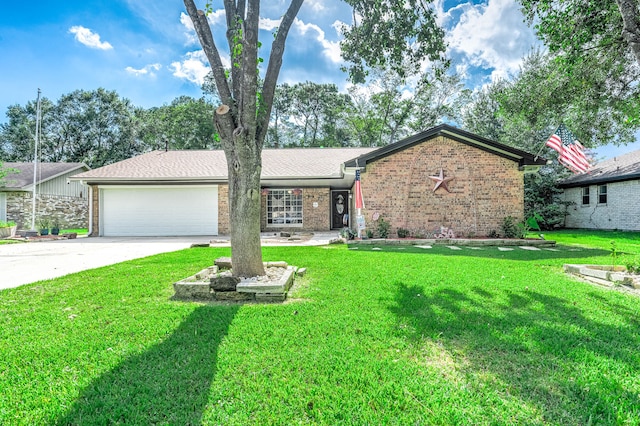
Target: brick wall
{"x":316,"y":218}
{"x":313,"y":218}
{"x":95,"y":213}
{"x":69,"y":212}
{"x":223,"y":209}
{"x":622,"y":210}
{"x":485,"y":189}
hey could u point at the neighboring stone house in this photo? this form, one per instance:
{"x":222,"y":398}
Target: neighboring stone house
{"x":606,"y":197}
{"x":186,"y":192}
{"x":57,"y":198}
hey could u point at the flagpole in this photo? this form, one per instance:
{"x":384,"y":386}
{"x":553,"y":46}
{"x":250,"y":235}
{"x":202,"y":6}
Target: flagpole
{"x":543,"y":145}
{"x":35,"y":163}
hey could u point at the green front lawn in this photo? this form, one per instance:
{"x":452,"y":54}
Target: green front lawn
{"x":435,"y":336}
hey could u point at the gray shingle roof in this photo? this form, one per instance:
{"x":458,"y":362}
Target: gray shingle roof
{"x":623,"y":167}
{"x":45,"y":172}
{"x":297,"y":163}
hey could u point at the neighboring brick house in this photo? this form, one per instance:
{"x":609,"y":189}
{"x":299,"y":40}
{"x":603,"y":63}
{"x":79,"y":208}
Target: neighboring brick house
{"x":185,"y":192}
{"x":607,"y":197}
{"x":57,"y":198}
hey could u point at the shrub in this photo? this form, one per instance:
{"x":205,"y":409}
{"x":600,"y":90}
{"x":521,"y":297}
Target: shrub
{"x":403,"y":233}
{"x":510,"y":227}
{"x":8,"y":224}
{"x":383,"y":228}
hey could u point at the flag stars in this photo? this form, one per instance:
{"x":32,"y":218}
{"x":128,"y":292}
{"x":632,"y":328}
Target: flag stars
{"x":441,"y":181}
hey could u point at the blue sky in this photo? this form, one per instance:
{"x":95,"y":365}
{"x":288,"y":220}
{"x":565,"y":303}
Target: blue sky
{"x":147,"y":52}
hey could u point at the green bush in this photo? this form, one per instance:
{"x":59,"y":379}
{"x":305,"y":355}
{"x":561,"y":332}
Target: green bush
{"x":8,"y":224}
{"x":403,"y":233}
{"x":510,"y":228}
{"x":383,"y":228}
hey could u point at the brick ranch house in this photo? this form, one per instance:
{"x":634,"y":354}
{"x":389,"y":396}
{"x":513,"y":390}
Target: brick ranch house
{"x":186,"y":192}
{"x":57,"y":198}
{"x":607,"y":197}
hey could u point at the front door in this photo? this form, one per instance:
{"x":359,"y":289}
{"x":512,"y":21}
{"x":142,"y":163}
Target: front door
{"x":339,"y":209}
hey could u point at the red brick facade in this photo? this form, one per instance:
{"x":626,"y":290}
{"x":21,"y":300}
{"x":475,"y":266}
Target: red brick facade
{"x":316,"y":209}
{"x":486,"y":188}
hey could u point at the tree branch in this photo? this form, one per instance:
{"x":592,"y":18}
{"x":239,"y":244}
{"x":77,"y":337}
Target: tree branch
{"x":273,"y":69}
{"x":631,"y":28}
{"x":201,"y":25}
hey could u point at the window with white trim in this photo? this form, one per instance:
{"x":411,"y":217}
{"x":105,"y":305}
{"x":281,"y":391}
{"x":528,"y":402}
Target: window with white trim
{"x":602,"y":194}
{"x":586,"y":199}
{"x":284,"y":207}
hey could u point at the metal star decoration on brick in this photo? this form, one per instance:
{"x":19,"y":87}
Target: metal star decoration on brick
{"x":441,"y":181}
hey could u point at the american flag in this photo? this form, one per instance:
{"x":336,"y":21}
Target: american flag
{"x":570,"y":150}
{"x":358,"y":195}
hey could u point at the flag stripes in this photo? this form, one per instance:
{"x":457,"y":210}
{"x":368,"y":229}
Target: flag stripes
{"x":570,"y":150}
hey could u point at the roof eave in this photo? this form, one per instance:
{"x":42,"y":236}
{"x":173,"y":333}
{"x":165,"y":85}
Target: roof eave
{"x":594,"y":181}
{"x":521,"y":157}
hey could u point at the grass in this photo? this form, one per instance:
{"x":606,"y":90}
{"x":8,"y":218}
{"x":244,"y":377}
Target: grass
{"x":79,"y":231}
{"x":372,"y":337}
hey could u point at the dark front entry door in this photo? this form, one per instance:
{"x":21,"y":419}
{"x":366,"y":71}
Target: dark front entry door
{"x":339,"y":209}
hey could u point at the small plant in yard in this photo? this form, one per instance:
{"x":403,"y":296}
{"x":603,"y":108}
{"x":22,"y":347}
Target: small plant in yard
{"x":348,"y":233}
{"x":383,"y":227}
{"x":8,"y":224}
{"x":403,"y":233}
{"x":510,"y":228}
{"x":632,"y":263}
{"x":493,"y":234}
{"x":614,"y":254}
{"x":369,"y":233}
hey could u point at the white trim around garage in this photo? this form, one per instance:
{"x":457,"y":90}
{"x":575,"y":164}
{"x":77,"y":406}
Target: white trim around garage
{"x":158,"y":210}
{"x":3,"y":206}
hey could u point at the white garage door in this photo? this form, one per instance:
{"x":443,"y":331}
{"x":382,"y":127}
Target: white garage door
{"x":159,"y":211}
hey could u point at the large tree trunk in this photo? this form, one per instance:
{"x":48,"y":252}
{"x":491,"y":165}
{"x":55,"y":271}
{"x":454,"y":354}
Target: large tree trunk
{"x":244,"y":215}
{"x":631,"y":20}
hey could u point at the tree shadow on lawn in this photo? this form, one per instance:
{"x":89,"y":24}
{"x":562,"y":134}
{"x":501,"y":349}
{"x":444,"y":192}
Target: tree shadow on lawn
{"x":542,"y":349}
{"x":168,"y":383}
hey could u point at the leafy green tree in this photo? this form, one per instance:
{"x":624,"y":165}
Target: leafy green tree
{"x":386,"y":33}
{"x":4,"y":172}
{"x":578,"y":30}
{"x":95,"y":127}
{"x":543,"y":199}
{"x":184,"y":124}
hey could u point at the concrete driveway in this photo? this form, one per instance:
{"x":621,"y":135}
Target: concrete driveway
{"x":34,"y":261}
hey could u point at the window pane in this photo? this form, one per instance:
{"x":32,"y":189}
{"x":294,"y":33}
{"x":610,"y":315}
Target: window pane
{"x":284,"y":207}
{"x":602,"y":194}
{"x":585,"y":195}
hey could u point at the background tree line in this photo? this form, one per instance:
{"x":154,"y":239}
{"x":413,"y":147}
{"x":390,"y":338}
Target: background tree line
{"x":590,"y":85}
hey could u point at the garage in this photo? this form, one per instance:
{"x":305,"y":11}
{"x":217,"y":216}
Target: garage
{"x":159,"y":210}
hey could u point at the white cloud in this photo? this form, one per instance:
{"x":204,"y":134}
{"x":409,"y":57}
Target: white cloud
{"x":491,"y":35}
{"x":316,"y":5}
{"x":195,"y":67}
{"x":330,"y":49}
{"x":146,"y":70}
{"x":190,"y":31}
{"x":269,"y":24}
{"x":89,"y":38}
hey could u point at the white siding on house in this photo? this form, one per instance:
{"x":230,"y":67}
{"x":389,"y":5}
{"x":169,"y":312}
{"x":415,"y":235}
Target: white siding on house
{"x":622,"y":210}
{"x":159,"y":210}
{"x":62,"y":186}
